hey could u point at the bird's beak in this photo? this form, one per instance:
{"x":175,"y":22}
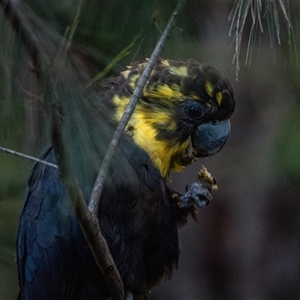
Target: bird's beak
{"x":209,"y":138}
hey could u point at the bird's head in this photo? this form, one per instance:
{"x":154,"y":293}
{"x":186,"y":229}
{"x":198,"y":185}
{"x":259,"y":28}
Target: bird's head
{"x":183,"y":112}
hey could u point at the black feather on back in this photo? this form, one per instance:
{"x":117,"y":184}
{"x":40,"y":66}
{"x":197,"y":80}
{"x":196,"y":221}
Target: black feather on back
{"x":137,"y":218}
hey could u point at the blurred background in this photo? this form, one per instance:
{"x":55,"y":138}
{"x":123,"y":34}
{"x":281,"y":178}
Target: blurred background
{"x":246,"y":243}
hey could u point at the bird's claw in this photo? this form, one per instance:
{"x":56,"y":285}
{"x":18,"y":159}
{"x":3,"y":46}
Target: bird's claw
{"x":198,"y":193}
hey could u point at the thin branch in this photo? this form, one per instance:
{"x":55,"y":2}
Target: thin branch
{"x":28,"y":157}
{"x":89,"y":222}
{"x":98,"y":187}
{"x":19,"y":16}
{"x":24,"y":22}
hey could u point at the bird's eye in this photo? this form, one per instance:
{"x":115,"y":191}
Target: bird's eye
{"x":193,"y":110}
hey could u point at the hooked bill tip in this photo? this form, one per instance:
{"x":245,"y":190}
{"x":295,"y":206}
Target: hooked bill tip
{"x":209,"y":138}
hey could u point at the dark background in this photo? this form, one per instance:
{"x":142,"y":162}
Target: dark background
{"x":246,"y":243}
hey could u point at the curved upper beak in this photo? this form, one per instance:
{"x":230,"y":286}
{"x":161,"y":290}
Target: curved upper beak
{"x":209,"y":138}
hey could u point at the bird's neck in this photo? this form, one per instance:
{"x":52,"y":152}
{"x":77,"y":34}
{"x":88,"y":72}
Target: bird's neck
{"x":145,"y":128}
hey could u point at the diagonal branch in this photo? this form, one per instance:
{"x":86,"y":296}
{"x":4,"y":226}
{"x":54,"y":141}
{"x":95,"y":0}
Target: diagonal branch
{"x":99,"y":184}
{"x":89,"y":222}
{"x":25,"y":23}
{"x":28,"y":157}
{"x":34,"y":33}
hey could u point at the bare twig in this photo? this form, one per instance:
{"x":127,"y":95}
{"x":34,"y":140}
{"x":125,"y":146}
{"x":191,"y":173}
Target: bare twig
{"x":89,"y":222}
{"x":24,"y":21}
{"x":28,"y":157}
{"x":98,"y":187}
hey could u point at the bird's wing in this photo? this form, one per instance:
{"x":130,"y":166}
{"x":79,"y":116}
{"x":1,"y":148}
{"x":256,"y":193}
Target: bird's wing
{"x":48,"y":257}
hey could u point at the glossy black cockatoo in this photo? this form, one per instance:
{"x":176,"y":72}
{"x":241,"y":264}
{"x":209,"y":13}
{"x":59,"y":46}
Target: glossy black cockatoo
{"x":183,"y":114}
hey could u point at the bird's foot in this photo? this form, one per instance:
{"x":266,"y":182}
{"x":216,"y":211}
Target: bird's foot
{"x":198,"y":193}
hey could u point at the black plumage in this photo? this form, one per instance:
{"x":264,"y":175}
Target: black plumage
{"x":138,"y":218}
{"x":138,"y":212}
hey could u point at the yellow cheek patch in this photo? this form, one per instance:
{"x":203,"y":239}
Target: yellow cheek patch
{"x":131,"y":79}
{"x":208,"y":88}
{"x":195,"y":97}
{"x":120,"y":103}
{"x":133,"y":73}
{"x":219,"y":97}
{"x":162,"y":155}
{"x":126,"y":73}
{"x":165,"y":157}
{"x":164,"y":91}
{"x":180,"y":71}
{"x":165,"y":62}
